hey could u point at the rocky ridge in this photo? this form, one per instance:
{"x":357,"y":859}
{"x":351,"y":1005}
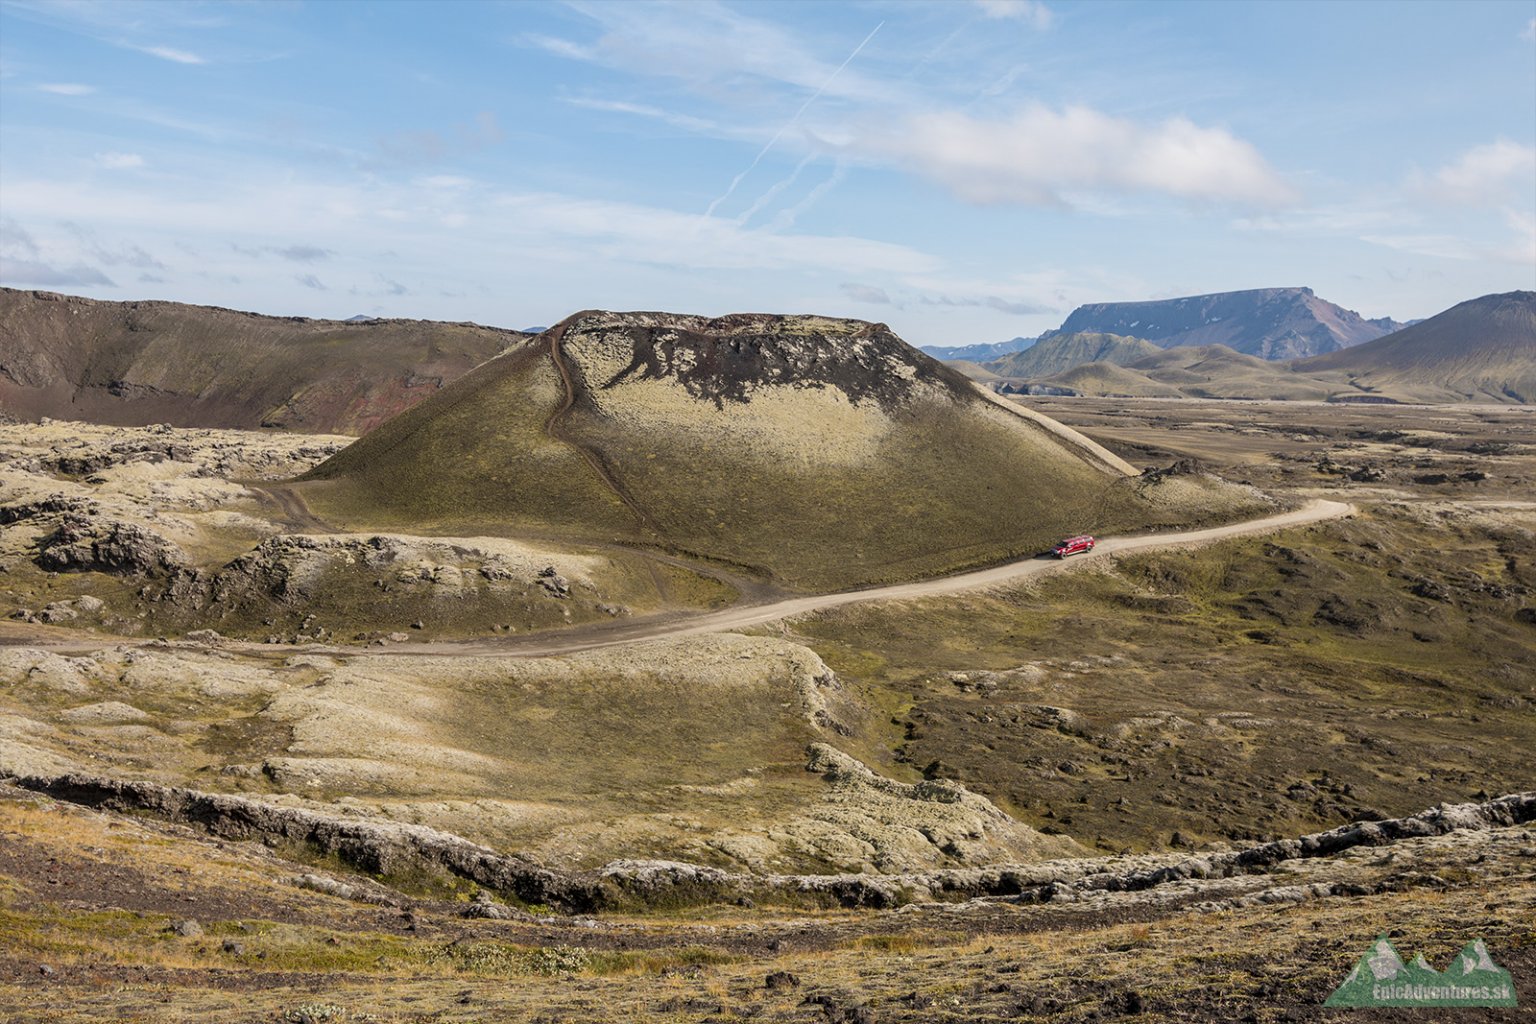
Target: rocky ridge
{"x":385,"y":848}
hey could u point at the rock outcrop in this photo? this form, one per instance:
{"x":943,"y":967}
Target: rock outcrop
{"x":387,"y":848}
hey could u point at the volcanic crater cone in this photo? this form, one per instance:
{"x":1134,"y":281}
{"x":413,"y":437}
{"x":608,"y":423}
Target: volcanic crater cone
{"x":821,"y":453}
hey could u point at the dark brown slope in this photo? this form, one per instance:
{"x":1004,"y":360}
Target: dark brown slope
{"x":823,"y":453}
{"x":1483,"y":350}
{"x":135,"y":363}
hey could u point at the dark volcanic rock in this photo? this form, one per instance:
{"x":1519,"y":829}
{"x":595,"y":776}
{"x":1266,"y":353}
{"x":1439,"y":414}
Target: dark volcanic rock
{"x":94,"y":545}
{"x":722,"y":359}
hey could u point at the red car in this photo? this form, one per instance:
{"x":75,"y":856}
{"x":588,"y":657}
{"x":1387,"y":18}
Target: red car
{"x":1073,"y":546}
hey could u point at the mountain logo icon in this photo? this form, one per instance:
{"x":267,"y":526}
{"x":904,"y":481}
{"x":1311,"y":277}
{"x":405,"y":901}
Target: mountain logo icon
{"x":1381,"y":978}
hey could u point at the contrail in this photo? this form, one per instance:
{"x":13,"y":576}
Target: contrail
{"x":786,"y":218}
{"x":792,"y":121}
{"x":768,"y":196}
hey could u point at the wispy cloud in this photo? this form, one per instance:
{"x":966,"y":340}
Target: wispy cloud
{"x":67,"y":88}
{"x":33,"y":272}
{"x":786,"y":218}
{"x":1523,"y":248}
{"x":1039,"y":155}
{"x":559,"y":47}
{"x":119,"y":161}
{"x":392,"y":287}
{"x":812,"y":98}
{"x":291,"y":253}
{"x":706,"y":43}
{"x":427,"y":146}
{"x":866,"y":293}
{"x":310,"y":281}
{"x":172,"y":54}
{"x":1029,"y":11}
{"x":302,"y":253}
{"x":1444,"y":246}
{"x":16,"y":239}
{"x":1015,"y":308}
{"x":677,"y":120}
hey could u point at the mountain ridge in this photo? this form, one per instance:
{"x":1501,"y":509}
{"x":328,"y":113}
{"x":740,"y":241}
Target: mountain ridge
{"x":141,"y":362}
{"x":1272,"y":323}
{"x":979,"y":353}
{"x":1482,"y":348}
{"x":1059,"y":353}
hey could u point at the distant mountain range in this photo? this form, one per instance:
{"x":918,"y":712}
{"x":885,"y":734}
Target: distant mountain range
{"x":1271,"y":323}
{"x":1481,"y":350}
{"x":976,"y":353}
{"x":136,"y":363}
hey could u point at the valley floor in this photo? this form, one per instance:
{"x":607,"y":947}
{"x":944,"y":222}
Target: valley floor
{"x":1143,"y":709}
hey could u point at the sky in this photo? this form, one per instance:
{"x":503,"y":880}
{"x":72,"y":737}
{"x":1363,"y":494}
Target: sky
{"x":963,"y":171}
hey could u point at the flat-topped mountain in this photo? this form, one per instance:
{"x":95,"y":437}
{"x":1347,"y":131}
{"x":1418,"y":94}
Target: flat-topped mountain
{"x":1059,"y":353}
{"x":1272,"y":323}
{"x":136,"y":363}
{"x":1483,"y":349}
{"x":820,"y":452}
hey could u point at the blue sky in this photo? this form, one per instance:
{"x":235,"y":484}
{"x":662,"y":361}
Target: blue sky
{"x":964,"y":171}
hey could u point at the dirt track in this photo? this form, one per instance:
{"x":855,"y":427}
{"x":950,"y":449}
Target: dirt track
{"x":681,"y":624}
{"x":744,"y":616}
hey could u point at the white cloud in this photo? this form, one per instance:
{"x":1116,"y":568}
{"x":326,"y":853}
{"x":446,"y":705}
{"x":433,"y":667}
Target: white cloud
{"x":119,"y":161}
{"x":1040,"y":155}
{"x":1530,"y":30}
{"x":171,"y":54}
{"x":1486,"y":173}
{"x":66,"y":88}
{"x":1031,"y":11}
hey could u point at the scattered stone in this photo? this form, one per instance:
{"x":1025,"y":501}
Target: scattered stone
{"x":187,"y":928}
{"x":58,"y":611}
{"x":46,"y":971}
{"x":90,"y":605}
{"x":234,"y":947}
{"x":781,"y":980}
